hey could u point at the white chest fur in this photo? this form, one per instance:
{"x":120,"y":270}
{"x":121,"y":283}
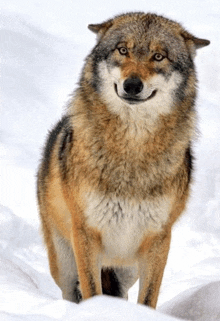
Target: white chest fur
{"x":124,"y":223}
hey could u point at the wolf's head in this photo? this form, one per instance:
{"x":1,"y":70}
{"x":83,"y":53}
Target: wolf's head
{"x":142,"y":62}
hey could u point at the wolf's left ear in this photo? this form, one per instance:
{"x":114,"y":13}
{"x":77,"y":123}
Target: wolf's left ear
{"x":198,"y":43}
{"x":101,"y":28}
{"x":194,"y":43}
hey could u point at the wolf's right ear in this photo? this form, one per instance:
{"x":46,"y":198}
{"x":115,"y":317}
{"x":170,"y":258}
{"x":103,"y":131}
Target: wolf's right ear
{"x":101,"y":28}
{"x":198,"y":43}
{"x":194,"y":43}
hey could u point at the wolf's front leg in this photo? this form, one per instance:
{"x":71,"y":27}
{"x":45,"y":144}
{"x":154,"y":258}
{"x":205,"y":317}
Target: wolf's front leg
{"x":153,"y":258}
{"x":86,"y":246}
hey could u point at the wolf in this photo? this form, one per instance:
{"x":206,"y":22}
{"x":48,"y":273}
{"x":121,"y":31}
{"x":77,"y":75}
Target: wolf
{"x":116,"y":169}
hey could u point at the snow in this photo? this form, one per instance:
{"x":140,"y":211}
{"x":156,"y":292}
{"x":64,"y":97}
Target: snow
{"x":200,"y":303}
{"x":43,"y":45}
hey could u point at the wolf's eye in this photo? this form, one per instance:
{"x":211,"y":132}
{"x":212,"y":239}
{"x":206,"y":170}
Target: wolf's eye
{"x":123,"y":50}
{"x":158,"y":57}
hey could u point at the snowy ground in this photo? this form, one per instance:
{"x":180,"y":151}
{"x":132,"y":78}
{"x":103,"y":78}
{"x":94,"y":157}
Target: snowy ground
{"x":43,"y":47}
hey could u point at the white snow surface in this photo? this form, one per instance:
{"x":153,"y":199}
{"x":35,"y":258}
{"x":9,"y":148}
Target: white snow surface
{"x":43,"y":45}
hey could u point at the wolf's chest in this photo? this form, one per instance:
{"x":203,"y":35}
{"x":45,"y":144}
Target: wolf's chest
{"x":123,"y":223}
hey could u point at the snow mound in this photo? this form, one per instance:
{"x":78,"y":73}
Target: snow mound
{"x":200,"y":303}
{"x":100,"y":308}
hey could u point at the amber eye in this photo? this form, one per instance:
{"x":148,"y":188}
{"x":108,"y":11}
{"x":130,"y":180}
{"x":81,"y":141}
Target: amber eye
{"x":123,"y":50}
{"x":158,"y":57}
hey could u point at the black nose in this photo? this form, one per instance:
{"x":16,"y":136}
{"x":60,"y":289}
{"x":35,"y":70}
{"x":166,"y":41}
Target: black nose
{"x":133,"y":86}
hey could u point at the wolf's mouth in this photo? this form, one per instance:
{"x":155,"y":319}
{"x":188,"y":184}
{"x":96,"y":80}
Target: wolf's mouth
{"x":132,"y":99}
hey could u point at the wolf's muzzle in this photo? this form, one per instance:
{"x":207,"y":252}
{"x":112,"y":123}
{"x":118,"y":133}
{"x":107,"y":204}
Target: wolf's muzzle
{"x":132,"y":91}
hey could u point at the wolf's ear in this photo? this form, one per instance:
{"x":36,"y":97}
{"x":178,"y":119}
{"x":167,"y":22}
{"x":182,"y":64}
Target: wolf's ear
{"x":194,"y":43}
{"x":200,"y":43}
{"x":101,"y":28}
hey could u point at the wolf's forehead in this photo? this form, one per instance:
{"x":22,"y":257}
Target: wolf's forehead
{"x":140,"y":34}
